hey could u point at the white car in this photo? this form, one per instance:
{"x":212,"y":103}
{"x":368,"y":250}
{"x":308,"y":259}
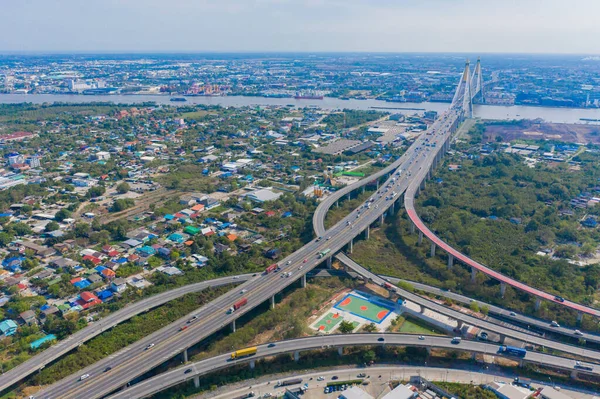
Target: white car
{"x":83,"y":377}
{"x":289,"y":262}
{"x":321,"y":378}
{"x":243,"y":291}
{"x":149,"y":347}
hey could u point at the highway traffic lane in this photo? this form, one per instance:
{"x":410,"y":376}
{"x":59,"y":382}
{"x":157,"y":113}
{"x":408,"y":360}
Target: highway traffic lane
{"x":177,"y":376}
{"x":39,"y":361}
{"x":527,"y":338}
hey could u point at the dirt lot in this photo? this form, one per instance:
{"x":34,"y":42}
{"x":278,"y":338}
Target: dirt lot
{"x":529,"y":130}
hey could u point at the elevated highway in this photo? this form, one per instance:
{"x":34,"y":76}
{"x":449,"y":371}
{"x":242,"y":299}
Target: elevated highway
{"x":177,"y":376}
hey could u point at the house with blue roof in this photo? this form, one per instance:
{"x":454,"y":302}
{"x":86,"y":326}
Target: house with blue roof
{"x":37,"y":343}
{"x":176,"y":237}
{"x":105,"y":295}
{"x":146,"y":251}
{"x":8,"y":327}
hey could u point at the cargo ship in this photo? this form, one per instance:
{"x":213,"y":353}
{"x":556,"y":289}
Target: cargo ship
{"x":178,"y":99}
{"x":308,"y":96}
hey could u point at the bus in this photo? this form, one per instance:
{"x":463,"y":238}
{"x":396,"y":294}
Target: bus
{"x":323,"y":253}
{"x":512,"y":351}
{"x":243,"y":353}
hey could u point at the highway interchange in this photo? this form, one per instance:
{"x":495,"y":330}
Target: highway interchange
{"x":169,"y":341}
{"x":135,"y":360}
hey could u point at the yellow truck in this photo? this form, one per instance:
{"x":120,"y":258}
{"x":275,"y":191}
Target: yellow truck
{"x":243,"y":353}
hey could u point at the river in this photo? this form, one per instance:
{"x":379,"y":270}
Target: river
{"x":558,"y":115}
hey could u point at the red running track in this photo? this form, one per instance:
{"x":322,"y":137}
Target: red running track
{"x":412,"y":214}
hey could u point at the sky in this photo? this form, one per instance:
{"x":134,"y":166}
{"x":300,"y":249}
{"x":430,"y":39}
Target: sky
{"x":462,"y":26}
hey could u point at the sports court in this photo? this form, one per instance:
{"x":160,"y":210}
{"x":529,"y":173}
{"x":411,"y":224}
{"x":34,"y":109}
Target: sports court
{"x":363,"y":308}
{"x":328,"y":322}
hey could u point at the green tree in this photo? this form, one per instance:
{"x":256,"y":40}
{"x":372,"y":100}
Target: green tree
{"x":96,"y":191}
{"x":346,"y":327}
{"x":474,"y":306}
{"x":369,"y":356}
{"x":52,"y":226}
{"x":21,"y":229}
{"x":62,"y":215}
{"x":123,"y":187}
{"x":5,"y":238}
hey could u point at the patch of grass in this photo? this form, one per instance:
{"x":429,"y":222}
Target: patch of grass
{"x":415,"y":327}
{"x":194,"y":115}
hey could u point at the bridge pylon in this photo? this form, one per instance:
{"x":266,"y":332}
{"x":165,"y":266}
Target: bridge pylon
{"x":477,"y":84}
{"x":463,"y":91}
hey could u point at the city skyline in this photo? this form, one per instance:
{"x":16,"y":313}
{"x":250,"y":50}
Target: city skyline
{"x":461,"y":26}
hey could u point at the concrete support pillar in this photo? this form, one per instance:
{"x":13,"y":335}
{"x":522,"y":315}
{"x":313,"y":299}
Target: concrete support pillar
{"x":460,"y":324}
{"x":350,"y":244}
{"x":502,"y":338}
{"x":450,"y":261}
{"x":296,"y":356}
{"x":423,"y":308}
{"x":185,"y":356}
{"x":233,"y":326}
{"x":348,"y":195}
{"x":381,"y":219}
{"x":363,"y":189}
{"x":341,"y":351}
{"x":428,"y":351}
{"x":423,"y":184}
{"x":337,"y":204}
{"x":474,"y":356}
{"x":412,"y":228}
{"x":329,"y":262}
{"x":273,"y":302}
{"x":392,"y":208}
{"x":368,"y":232}
{"x":473,"y":274}
{"x":252,"y":364}
{"x":574,"y":374}
{"x":420,"y":239}
{"x":377,"y":184}
{"x":432,"y":252}
{"x":538,"y":303}
{"x":579,"y":317}
{"x":303,"y":281}
{"x":197,"y":381}
{"x":502,"y":289}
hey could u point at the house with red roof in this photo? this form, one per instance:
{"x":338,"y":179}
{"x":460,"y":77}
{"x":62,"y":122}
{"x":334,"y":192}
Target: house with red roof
{"x":93,"y":259}
{"x":88,"y":300}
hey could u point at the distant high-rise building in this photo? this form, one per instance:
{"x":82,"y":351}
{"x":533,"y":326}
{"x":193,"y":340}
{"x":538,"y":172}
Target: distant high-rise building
{"x":34,"y":161}
{"x":78,"y":85}
{"x":15,"y":159}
